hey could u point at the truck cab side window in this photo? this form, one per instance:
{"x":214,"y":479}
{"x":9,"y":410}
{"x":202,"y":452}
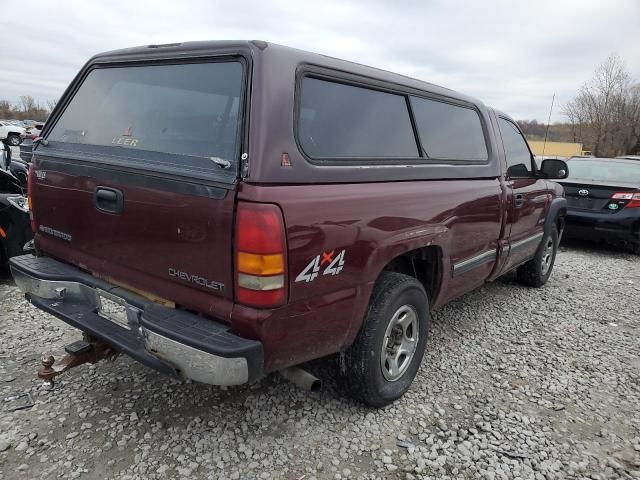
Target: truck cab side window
{"x":516,"y":149}
{"x":448,"y":131}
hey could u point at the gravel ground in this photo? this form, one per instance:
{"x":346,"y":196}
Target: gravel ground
{"x":517,"y":383}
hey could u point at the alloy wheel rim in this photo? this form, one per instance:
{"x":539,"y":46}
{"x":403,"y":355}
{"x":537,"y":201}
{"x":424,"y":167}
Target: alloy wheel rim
{"x":399,"y":343}
{"x":547,"y":256}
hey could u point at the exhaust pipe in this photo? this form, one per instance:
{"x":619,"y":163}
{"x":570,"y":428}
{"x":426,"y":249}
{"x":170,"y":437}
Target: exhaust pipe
{"x":302,"y":379}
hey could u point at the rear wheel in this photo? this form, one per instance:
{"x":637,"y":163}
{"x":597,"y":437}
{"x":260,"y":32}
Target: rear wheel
{"x":537,"y":271}
{"x":386,"y":355}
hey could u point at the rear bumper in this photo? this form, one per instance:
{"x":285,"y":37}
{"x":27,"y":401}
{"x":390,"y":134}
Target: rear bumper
{"x":171,"y":341}
{"x":621,"y":226}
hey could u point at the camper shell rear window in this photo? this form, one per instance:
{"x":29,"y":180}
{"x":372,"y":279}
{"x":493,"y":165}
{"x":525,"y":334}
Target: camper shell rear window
{"x":180,"y":116}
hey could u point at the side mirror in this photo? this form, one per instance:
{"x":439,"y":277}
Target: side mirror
{"x":555,"y":169}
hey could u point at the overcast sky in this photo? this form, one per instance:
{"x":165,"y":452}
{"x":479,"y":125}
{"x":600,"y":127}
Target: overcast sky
{"x":511,"y":54}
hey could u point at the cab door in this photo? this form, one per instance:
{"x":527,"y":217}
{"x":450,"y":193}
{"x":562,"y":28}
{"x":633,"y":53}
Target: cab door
{"x":527,"y":196}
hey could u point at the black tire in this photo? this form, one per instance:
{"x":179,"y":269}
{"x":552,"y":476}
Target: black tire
{"x":361,"y":370}
{"x":13,"y":139}
{"x":635,"y":248}
{"x":534,"y":273}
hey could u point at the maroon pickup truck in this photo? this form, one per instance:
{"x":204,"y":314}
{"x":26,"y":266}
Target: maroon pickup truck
{"x":222,"y":210}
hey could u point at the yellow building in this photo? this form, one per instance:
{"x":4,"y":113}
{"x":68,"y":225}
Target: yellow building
{"x":555,"y":149}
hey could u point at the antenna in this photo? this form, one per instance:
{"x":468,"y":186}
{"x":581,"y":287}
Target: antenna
{"x":546,"y":132}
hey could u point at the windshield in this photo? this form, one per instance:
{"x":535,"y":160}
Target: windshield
{"x":605,"y":171}
{"x":186,"y":109}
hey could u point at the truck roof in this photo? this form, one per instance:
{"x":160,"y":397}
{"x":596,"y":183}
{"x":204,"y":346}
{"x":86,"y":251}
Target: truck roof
{"x":256,"y":48}
{"x":271,"y":128}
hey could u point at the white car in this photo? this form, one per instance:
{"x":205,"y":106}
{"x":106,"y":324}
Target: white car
{"x":11,"y":133}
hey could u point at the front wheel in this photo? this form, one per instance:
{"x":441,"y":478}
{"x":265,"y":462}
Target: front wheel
{"x":386,"y":355}
{"x":13,"y":140}
{"x":537,"y":271}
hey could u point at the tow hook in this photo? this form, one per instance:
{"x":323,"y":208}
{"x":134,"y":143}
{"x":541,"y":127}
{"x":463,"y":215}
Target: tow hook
{"x":78,"y":353}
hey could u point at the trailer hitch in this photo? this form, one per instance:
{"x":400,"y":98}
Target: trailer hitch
{"x":78,"y":353}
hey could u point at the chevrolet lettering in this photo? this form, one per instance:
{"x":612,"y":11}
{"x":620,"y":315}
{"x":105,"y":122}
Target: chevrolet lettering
{"x":203,"y":282}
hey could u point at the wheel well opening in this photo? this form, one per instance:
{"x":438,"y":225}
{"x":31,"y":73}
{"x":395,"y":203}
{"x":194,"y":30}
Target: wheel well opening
{"x":422,"y":264}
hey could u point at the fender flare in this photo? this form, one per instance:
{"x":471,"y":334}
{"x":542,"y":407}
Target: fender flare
{"x":435,"y":235}
{"x":558,"y":208}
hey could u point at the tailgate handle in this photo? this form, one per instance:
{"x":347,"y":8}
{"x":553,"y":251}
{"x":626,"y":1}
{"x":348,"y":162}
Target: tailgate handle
{"x":109,"y":200}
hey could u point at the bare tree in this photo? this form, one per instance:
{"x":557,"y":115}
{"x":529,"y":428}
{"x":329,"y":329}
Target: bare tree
{"x":5,"y":109}
{"x":28,"y":103}
{"x":605,"y":115}
{"x":631,"y":138}
{"x":27,"y":109}
{"x":51,"y":104}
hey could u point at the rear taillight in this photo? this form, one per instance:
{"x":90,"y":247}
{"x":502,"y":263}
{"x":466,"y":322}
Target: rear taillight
{"x":632,"y":198}
{"x":34,"y":226}
{"x":261,"y":279}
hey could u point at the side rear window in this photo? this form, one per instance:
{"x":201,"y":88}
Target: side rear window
{"x":449,"y":132}
{"x":339,"y":121}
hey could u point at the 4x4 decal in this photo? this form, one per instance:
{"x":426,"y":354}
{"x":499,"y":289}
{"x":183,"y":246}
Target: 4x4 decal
{"x":312,"y":270}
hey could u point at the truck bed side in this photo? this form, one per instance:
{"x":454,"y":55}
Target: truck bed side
{"x":373,"y":223}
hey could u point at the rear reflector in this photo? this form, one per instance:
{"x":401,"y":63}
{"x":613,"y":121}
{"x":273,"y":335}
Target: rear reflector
{"x":260,"y":255}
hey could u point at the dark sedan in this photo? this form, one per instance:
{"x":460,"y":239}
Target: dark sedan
{"x":603,"y":198}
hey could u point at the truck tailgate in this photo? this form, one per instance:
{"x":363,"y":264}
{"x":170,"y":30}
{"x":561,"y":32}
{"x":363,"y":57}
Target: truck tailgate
{"x":136,"y":179}
{"x":169,"y":232}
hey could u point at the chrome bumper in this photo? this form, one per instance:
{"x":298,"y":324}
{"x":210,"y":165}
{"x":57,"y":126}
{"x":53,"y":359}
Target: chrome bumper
{"x":64,"y":298}
{"x":195,"y":364}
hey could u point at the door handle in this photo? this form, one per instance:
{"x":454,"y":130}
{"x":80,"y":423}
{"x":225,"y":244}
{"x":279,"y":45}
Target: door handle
{"x":109,"y":200}
{"x":519,"y":200}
